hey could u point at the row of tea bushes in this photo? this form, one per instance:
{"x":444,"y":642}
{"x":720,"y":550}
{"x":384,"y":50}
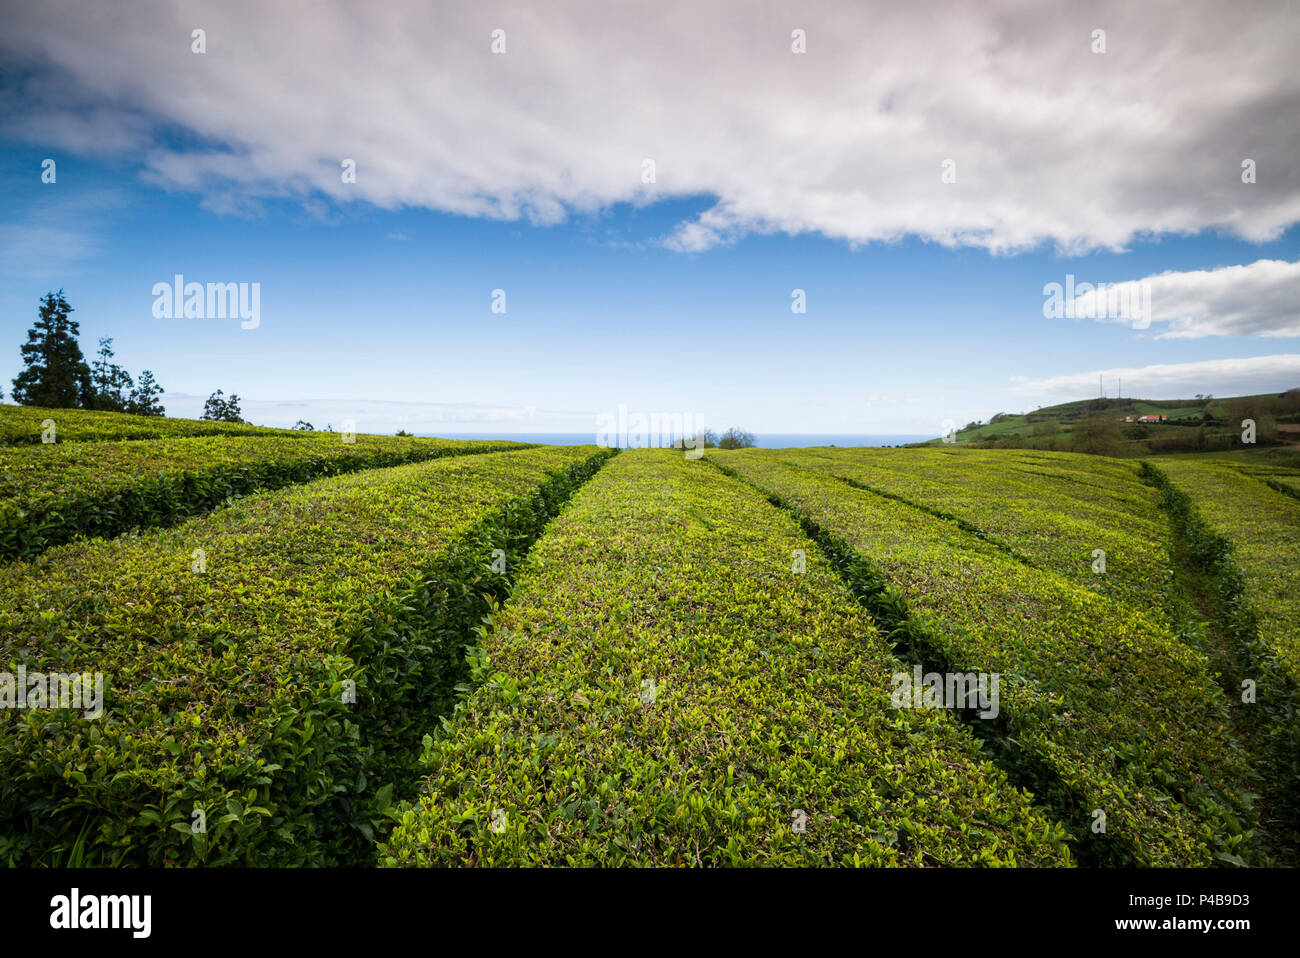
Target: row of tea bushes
{"x":28,"y":425}
{"x":1279,"y":468}
{"x":269,"y":667}
{"x":1287,"y":485}
{"x":1282,"y":477}
{"x":1242,"y":560}
{"x":1087,"y":518}
{"x":1103,"y":709}
{"x":52,"y":494}
{"x":664,"y":689}
{"x":1263,"y":526}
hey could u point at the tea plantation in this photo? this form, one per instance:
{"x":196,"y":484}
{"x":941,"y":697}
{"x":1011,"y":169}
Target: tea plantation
{"x":319,"y":649}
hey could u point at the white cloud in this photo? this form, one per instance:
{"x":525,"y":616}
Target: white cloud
{"x":1259,"y":299}
{"x":1220,"y":377}
{"x":1051,"y":141}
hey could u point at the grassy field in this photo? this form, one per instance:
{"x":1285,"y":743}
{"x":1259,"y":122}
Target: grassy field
{"x":415,"y":652}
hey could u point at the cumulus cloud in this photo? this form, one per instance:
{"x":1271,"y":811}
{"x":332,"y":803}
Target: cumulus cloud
{"x":1050,"y":141}
{"x":1221,"y":377}
{"x":1259,"y":299}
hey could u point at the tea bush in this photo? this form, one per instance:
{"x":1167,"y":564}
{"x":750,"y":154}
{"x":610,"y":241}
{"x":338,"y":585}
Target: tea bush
{"x":23,"y":426}
{"x":51,"y":494}
{"x":227,"y":688}
{"x":1102,"y":707}
{"x":664,"y":689}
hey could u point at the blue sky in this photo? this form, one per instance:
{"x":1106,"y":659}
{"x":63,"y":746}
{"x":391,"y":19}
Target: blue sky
{"x":377,"y":308}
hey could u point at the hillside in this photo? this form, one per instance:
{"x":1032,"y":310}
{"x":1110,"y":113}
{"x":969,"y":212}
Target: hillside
{"x":1115,"y":427}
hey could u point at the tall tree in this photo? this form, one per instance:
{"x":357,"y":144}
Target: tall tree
{"x":56,"y":375}
{"x":109,"y":380}
{"x":144,"y":397}
{"x":222,"y":410}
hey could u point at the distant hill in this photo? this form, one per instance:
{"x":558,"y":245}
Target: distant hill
{"x":1114,"y":427}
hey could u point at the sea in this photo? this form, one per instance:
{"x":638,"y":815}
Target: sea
{"x":774,"y":440}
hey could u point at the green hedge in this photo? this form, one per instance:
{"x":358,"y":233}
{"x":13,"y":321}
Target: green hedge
{"x":1261,"y":528}
{"x":1251,"y":530}
{"x":225,"y":687}
{"x":664,"y":689}
{"x":54,"y":493}
{"x":22,"y":426}
{"x":1052,"y":509}
{"x":1103,"y":708}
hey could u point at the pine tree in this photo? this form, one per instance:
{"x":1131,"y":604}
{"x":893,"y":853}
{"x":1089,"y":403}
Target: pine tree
{"x":109,"y":380}
{"x":143,"y":400}
{"x":56,"y":375}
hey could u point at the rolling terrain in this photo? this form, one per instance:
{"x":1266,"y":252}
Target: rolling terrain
{"x":1137,"y":427}
{"x":389,"y":651}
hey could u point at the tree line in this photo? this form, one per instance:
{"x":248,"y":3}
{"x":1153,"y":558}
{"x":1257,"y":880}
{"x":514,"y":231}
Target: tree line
{"x":57,"y":376}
